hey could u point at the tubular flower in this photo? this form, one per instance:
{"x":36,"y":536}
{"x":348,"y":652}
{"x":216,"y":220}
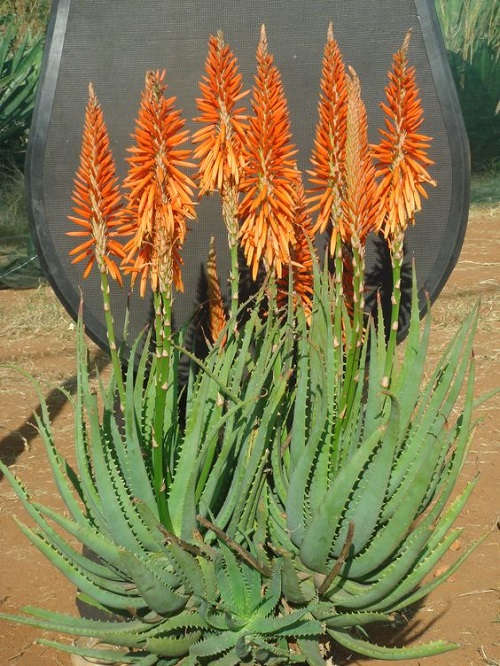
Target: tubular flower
{"x":301,"y":266}
{"x":271,"y":176}
{"x":217,"y":314}
{"x":220,"y":140}
{"x":160,"y":195}
{"x":327,"y":176}
{"x":402,"y":153}
{"x":359,"y":204}
{"x":96,"y":197}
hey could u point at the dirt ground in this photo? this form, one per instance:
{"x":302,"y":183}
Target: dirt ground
{"x":465,"y":609}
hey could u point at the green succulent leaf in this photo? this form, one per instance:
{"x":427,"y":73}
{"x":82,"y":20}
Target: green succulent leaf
{"x":389,"y":653}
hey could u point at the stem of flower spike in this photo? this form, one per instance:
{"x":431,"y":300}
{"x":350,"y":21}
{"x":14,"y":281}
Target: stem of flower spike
{"x":110,"y":331}
{"x":353,"y":353}
{"x":163,"y":331}
{"x":229,"y":208}
{"x":352,"y":334}
{"x":397,"y":263}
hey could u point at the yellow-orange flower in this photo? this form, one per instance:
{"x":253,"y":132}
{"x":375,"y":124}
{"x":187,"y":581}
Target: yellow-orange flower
{"x":402,"y":153}
{"x":220,"y":140}
{"x":359,"y":200}
{"x":216,"y":312}
{"x":96,"y":197}
{"x":271,"y":176}
{"x":160,"y":195}
{"x":328,"y":157}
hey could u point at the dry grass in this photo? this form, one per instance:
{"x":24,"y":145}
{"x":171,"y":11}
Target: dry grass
{"x":42,"y":313}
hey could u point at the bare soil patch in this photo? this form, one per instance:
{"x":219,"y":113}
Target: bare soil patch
{"x":465,"y":609}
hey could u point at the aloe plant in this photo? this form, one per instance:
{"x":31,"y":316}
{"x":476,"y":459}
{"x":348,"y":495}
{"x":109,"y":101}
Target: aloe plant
{"x":285,"y":524}
{"x":297,"y":487}
{"x":19,"y":71}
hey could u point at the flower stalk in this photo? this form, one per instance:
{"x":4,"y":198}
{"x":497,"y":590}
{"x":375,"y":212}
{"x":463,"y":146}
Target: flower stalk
{"x":219,"y":143}
{"x":159,"y":201}
{"x":98,"y":213}
{"x":401,"y":168}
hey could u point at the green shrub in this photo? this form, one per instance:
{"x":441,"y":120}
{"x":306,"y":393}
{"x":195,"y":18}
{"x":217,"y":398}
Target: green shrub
{"x":471,"y":30}
{"x":20,"y":62}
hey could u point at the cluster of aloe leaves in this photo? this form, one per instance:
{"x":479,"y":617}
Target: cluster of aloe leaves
{"x":304,"y":501}
{"x":19,"y":70}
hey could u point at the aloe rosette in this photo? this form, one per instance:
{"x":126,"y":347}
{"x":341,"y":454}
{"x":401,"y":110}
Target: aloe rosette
{"x":287,"y":521}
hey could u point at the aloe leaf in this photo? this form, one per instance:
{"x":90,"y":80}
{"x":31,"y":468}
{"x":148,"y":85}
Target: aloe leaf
{"x":427,"y":432}
{"x":418,"y":555}
{"x":231,"y":658}
{"x":104,"y":656}
{"x":291,"y":624}
{"x":389,"y":653}
{"x":293,"y":591}
{"x":153,"y":583}
{"x":60,"y":469}
{"x":52,"y":538}
{"x":122,"y":518}
{"x":214,"y":645}
{"x":277,"y":525}
{"x":366,"y":503}
{"x":310,"y":649}
{"x":84,"y":581}
{"x":437,"y":545}
{"x":187,"y":569}
{"x":301,"y":401}
{"x":182,"y":492}
{"x":427,"y":588}
{"x":5,"y":42}
{"x":125,"y":634}
{"x":446,"y":380}
{"x":388,"y":579}
{"x":254,"y":436}
{"x":171,"y":646}
{"x":358,"y":619}
{"x":320,"y":533}
{"x":230,"y":582}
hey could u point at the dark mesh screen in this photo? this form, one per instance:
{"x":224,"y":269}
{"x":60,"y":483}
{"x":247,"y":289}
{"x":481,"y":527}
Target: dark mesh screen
{"x":113,"y":42}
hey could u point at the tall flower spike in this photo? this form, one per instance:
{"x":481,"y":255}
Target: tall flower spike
{"x":271,"y":176}
{"x":327,"y":175}
{"x":216,"y":312}
{"x":160,"y":195}
{"x":220,"y":140}
{"x":96,"y":197}
{"x":359,"y":204}
{"x":402,"y":153}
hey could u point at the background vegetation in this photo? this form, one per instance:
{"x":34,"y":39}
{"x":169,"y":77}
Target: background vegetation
{"x":471,"y":30}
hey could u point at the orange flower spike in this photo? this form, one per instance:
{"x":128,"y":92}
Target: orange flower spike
{"x":96,"y":197}
{"x":327,"y":175}
{"x":217,"y":314}
{"x":271,"y":176}
{"x":220,"y":140}
{"x":402,"y":153}
{"x":360,"y":204}
{"x":160,"y":195}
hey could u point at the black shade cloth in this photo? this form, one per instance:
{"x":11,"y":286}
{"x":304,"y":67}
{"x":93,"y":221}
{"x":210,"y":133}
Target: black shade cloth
{"x":114,"y":42}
